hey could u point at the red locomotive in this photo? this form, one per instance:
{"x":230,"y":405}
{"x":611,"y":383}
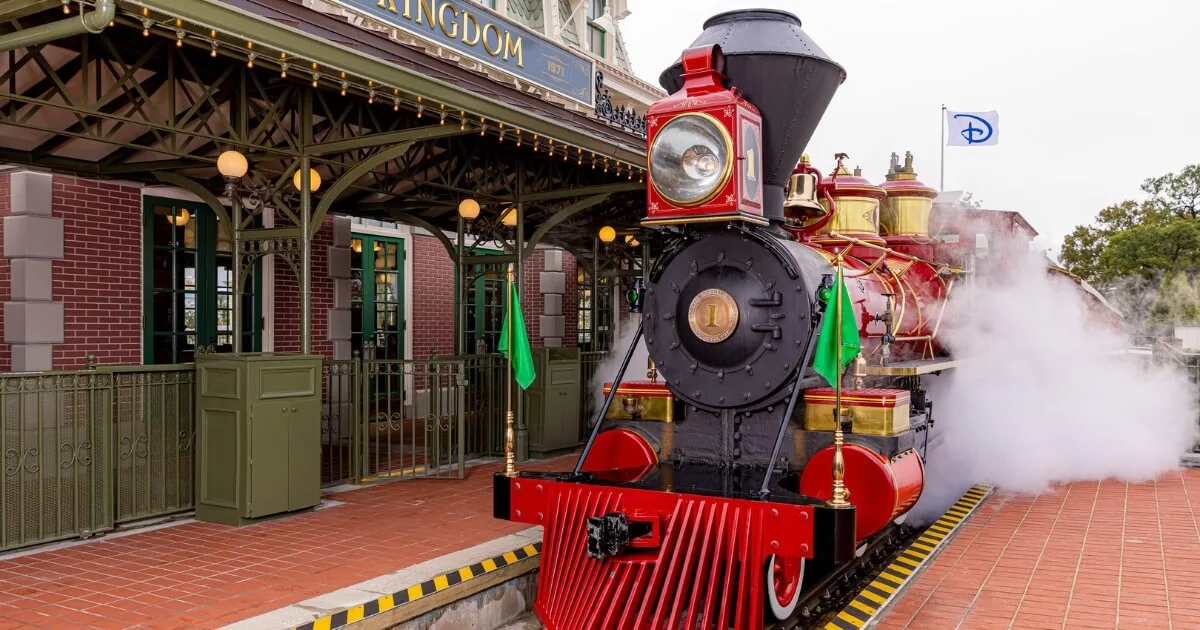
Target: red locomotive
{"x":704,"y":499}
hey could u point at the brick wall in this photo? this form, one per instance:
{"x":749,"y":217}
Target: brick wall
{"x":432,"y":294}
{"x":5,"y":276}
{"x":571,"y":301}
{"x":287,"y":297}
{"x":99,"y":279}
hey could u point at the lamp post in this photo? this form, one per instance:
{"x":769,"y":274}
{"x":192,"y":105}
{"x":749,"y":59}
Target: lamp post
{"x":233,"y":167}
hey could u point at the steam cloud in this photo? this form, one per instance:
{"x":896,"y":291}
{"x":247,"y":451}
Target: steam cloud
{"x":1044,"y":395}
{"x":607,"y":370}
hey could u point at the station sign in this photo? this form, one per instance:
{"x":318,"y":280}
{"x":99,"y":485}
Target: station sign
{"x":484,"y":36}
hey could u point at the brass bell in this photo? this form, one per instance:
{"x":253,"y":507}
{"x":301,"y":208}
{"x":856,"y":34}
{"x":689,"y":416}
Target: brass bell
{"x":801,"y":202}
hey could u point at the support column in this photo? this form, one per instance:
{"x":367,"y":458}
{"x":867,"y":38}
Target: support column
{"x":33,"y":321}
{"x":522,"y":447}
{"x":306,"y":228}
{"x":552,"y":282}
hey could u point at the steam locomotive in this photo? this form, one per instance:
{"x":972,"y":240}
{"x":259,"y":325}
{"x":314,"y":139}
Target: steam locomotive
{"x":703,"y":498}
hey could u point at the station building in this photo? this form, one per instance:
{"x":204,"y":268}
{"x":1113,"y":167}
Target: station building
{"x":344,"y":178}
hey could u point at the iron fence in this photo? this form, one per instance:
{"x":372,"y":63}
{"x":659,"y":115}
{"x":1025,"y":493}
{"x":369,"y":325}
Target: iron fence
{"x":153,"y":433}
{"x":54,"y":453}
{"x":393,"y":418}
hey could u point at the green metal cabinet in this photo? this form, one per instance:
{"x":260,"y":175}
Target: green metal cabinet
{"x":552,"y":401}
{"x":258,"y":435}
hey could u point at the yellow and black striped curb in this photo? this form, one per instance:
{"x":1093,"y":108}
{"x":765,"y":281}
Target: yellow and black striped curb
{"x":879,"y":594}
{"x":424,"y":589}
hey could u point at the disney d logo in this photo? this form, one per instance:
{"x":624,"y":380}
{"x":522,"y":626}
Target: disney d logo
{"x":973,"y":134}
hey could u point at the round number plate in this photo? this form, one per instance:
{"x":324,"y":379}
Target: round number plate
{"x":713,"y":315}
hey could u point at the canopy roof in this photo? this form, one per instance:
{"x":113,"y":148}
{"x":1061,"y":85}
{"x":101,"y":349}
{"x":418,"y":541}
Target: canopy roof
{"x":392,"y":131}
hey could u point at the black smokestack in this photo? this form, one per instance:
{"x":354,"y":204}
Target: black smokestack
{"x":783,"y":73}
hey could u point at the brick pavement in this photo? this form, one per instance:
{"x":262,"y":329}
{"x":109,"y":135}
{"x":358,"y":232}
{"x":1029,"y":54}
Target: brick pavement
{"x":204,"y":575}
{"x":1084,"y":555}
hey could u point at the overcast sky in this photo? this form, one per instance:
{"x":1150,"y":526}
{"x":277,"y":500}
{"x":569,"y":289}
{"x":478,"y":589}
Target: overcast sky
{"x":1093,"y":96}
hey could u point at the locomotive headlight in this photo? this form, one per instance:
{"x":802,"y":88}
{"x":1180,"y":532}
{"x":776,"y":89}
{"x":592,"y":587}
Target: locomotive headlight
{"x":690,"y":159}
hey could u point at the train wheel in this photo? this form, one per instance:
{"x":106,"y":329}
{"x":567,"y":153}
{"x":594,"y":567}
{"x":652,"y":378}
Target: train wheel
{"x":784,"y":579}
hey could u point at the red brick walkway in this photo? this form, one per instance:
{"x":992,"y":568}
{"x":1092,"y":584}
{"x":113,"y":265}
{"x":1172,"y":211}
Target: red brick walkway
{"x":1086,"y":555}
{"x":203,"y":575}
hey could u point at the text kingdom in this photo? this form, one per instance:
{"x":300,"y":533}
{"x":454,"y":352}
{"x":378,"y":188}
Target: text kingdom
{"x":462,"y":25}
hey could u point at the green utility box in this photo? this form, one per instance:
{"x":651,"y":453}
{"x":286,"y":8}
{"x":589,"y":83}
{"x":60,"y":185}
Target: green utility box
{"x":258,"y":435}
{"x":552,"y":401}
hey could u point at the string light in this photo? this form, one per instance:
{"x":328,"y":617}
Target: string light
{"x":345,"y":84}
{"x":179,"y":38}
{"x":371,"y":97}
{"x":250,"y":60}
{"x":67,"y":7}
{"x":214,"y":49}
{"x":283,"y":71}
{"x":396,"y":104}
{"x":420,"y":109}
{"x":316,"y":79}
{"x":146,"y":23}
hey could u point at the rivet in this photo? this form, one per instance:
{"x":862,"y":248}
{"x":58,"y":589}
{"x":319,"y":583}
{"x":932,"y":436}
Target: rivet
{"x":774,"y":512}
{"x":539,"y":488}
{"x":804,"y":548}
{"x":517,"y":485}
{"x":775,"y":544}
{"x":540,"y":516}
{"x":804,"y":516}
{"x":518,"y":513}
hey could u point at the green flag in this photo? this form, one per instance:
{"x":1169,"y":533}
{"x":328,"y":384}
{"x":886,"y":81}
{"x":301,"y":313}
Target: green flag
{"x":522,"y":357}
{"x":825,"y":360}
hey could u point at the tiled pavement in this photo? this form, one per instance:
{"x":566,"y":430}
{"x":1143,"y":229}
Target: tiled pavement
{"x":203,"y":575}
{"x":1086,"y":555}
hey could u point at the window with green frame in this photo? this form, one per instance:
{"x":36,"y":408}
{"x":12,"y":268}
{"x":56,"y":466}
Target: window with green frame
{"x":188,"y":285}
{"x":485,"y":301}
{"x":377,"y":295}
{"x":596,"y":35}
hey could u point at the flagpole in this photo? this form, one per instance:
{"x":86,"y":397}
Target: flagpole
{"x":840,"y":496}
{"x":942,"y":129}
{"x":510,"y":458}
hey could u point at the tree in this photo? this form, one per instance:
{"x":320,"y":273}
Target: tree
{"x":1177,"y":194}
{"x":1153,"y":251}
{"x":1083,"y":247}
{"x":1171,"y":196}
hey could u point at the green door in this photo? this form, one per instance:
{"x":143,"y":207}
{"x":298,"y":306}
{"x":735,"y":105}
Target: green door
{"x":377,"y":295}
{"x":483,"y":304}
{"x":189,"y":285}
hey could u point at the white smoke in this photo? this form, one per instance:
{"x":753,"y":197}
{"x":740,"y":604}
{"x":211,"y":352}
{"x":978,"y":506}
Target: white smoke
{"x":607,"y":370}
{"x":1043,"y":395}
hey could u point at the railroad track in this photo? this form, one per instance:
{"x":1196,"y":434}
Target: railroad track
{"x":821,"y":602}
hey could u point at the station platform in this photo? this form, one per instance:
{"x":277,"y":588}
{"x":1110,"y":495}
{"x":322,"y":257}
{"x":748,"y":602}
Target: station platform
{"x":1083,"y":555}
{"x":283,"y":573}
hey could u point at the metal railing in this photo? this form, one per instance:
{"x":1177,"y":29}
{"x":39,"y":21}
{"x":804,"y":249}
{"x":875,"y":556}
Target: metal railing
{"x":82,"y":451}
{"x":393,"y":418}
{"x":153,"y":433}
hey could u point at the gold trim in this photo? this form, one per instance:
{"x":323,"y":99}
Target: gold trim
{"x":883,"y":421}
{"x":726,"y":173}
{"x":912,"y":368}
{"x":719,"y":309}
{"x":648,"y":408}
{"x":708,"y":219}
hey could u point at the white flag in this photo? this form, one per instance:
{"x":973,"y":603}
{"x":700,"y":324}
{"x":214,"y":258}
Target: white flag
{"x":968,"y":129}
